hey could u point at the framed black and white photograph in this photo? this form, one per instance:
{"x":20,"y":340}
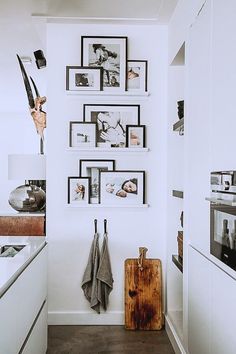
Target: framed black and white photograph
{"x":135,"y":136}
{"x":111,"y":121}
{"x":79,"y":78}
{"x":78,"y":190}
{"x":92,"y":168}
{"x":122,"y":187}
{"x":137,"y":76}
{"x":110,"y":53}
{"x":82,"y":135}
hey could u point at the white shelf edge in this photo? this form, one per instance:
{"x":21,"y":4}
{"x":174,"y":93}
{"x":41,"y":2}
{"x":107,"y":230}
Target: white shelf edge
{"x":107,"y":206}
{"x":221,"y":201}
{"x":97,"y":149}
{"x":105,"y":93}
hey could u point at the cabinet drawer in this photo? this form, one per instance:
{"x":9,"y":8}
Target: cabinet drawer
{"x":20,"y":305}
{"x":37,"y":341}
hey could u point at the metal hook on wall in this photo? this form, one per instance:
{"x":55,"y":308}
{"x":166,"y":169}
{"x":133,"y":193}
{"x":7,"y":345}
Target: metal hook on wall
{"x":105,"y":226}
{"x":95,"y":225}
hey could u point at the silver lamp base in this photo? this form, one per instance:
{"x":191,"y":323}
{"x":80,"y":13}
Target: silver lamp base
{"x":27,"y":198}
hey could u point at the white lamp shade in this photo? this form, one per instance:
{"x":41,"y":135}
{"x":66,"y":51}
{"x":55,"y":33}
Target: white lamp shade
{"x":27,"y":167}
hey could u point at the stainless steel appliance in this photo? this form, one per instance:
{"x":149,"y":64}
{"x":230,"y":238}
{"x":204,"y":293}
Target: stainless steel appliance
{"x":223,"y":217}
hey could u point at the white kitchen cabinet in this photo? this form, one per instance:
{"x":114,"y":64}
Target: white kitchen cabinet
{"x":223,"y":124}
{"x":37,"y":341}
{"x":211,"y":307}
{"x":223,"y":310}
{"x":199,"y":303}
{"x":20,"y":305}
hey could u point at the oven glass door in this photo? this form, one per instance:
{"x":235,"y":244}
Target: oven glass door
{"x":223,"y":233}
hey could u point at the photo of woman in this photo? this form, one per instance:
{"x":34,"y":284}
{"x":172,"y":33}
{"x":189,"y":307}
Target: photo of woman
{"x":122,"y":187}
{"x":78,"y":190}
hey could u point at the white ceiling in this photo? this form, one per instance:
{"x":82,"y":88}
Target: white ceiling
{"x":158,"y":10}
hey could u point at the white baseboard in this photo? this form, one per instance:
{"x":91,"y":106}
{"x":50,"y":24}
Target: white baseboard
{"x":173,"y":337}
{"x":86,"y":318}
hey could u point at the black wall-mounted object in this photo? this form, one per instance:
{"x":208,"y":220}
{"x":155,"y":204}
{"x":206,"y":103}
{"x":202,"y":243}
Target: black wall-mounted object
{"x":40,"y":59}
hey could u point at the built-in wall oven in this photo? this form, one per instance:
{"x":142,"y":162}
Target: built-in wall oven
{"x":223,"y":217}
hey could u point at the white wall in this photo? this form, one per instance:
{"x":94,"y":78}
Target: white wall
{"x":19,"y":34}
{"x":184,"y":15}
{"x":70,"y":230}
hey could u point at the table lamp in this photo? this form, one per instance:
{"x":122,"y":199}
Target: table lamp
{"x":28,"y":197}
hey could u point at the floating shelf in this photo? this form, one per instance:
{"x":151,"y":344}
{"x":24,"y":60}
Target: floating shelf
{"x":106,"y":93}
{"x":98,"y":149}
{"x":99,"y":206}
{"x":178,"y":194}
{"x":178,"y":125}
{"x":178,"y":262}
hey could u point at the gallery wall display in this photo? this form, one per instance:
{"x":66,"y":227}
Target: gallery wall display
{"x":137,"y":75}
{"x":111,"y":121}
{"x":104,"y":67}
{"x":84,"y":78}
{"x":78,"y":190}
{"x":110,"y":53}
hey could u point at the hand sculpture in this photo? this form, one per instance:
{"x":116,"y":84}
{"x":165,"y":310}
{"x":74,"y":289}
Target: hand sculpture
{"x":38,"y":115}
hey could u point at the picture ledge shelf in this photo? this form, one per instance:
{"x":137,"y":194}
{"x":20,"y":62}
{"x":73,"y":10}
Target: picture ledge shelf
{"x":98,"y":149}
{"x":105,"y":93}
{"x":107,"y":206}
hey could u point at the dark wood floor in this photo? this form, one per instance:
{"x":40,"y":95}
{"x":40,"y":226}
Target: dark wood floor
{"x":106,"y":340}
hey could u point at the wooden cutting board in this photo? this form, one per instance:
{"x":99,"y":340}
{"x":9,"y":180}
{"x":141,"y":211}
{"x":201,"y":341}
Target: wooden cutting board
{"x":143,"y":294}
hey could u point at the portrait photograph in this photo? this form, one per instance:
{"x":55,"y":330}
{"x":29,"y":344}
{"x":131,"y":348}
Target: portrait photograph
{"x":111,"y":122}
{"x":92,"y":168}
{"x":80,"y":78}
{"x":135,"y":136}
{"x":109,"y":53}
{"x":78,"y":190}
{"x":122,"y":187}
{"x":82,"y":135}
{"x":137,"y":76}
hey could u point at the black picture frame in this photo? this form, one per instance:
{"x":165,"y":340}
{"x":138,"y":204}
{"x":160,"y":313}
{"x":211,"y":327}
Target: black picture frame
{"x":142,"y":73}
{"x":122,"y":200}
{"x":90,"y":144}
{"x":99,"y":164}
{"x":143,"y":139}
{"x":90,"y":79}
{"x":112,"y":121}
{"x":80,"y":198}
{"x":103,"y":54}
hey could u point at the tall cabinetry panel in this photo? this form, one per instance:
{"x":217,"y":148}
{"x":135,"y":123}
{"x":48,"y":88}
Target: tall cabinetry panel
{"x":223,"y":127}
{"x":210,"y":142}
{"x":197,"y":128}
{"x":175,"y":197}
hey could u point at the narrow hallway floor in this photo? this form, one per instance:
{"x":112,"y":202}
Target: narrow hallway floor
{"x":106,"y":340}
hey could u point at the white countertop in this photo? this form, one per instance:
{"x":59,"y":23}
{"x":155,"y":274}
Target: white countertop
{"x":11,"y":267}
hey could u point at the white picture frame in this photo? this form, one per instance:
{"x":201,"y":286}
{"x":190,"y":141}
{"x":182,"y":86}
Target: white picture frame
{"x":82,"y":134}
{"x":80,"y":78}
